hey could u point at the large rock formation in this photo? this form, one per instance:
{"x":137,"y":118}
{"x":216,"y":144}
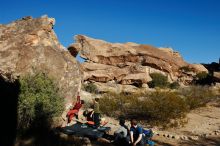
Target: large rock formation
{"x":129,"y":63}
{"x":29,"y":45}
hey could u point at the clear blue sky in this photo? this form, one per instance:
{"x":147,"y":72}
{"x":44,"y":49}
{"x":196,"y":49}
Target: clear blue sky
{"x":191,"y":27}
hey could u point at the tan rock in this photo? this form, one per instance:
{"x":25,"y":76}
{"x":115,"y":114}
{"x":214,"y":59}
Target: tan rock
{"x":198,"y":68}
{"x":117,"y":88}
{"x":129,"y":63}
{"x":29,"y":45}
{"x":107,"y":53}
{"x":216,"y":76}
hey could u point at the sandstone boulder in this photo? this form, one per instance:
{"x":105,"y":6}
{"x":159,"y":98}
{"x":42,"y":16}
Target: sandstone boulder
{"x":199,"y":68}
{"x":116,"y":88}
{"x":129,"y":63}
{"x":99,"y":51}
{"x":29,"y":45}
{"x":216,"y":76}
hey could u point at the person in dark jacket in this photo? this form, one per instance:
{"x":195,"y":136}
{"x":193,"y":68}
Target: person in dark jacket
{"x":136,"y":134}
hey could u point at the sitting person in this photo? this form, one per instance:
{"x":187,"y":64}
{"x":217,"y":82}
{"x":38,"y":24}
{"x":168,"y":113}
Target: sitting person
{"x":73,"y":112}
{"x":88,"y":114}
{"x":136,"y":134}
{"x":120,"y":135}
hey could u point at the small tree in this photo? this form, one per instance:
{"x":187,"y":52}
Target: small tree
{"x":92,"y":88}
{"x":185,"y":69}
{"x":174,"y":85}
{"x":158,"y":80}
{"x":38,"y":102}
{"x":203,"y":78}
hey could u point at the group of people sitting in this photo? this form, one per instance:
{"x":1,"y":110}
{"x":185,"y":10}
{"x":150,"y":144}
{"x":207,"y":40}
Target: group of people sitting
{"x":136,"y":135}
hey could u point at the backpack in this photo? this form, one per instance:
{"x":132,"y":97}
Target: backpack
{"x":148,"y":133}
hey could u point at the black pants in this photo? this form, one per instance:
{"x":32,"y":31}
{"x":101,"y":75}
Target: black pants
{"x":141,"y":143}
{"x":97,"y":120}
{"x":120,"y":140}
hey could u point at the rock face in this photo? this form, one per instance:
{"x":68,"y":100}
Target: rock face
{"x":129,"y":63}
{"x":29,"y":45}
{"x":216,"y":76}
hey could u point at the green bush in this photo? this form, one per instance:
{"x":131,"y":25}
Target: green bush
{"x":202,"y":75}
{"x":197,"y":96}
{"x":185,"y":69}
{"x":158,"y":80}
{"x":174,"y":85}
{"x":38,"y":102}
{"x":158,"y":108}
{"x":92,"y":88}
{"x":116,"y":103}
{"x":203,"y":78}
{"x":164,"y":106}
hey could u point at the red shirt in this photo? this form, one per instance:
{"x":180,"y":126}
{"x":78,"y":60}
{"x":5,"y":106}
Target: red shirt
{"x":78,"y":104}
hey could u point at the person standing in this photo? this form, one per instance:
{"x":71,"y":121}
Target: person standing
{"x":96,"y":113}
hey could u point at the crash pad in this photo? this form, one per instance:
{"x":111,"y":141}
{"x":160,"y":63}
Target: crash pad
{"x":84,"y":130}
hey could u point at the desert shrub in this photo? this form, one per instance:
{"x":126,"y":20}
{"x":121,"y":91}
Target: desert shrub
{"x":197,"y":96}
{"x":158,"y":80}
{"x":202,"y":75}
{"x":113,"y":104}
{"x":203,"y":78}
{"x":158,"y":108}
{"x":161,"y":107}
{"x":174,"y":85}
{"x":92,"y":88}
{"x":38,"y":102}
{"x":185,"y":69}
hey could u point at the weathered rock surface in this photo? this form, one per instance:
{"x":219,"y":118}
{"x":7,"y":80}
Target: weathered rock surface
{"x":216,"y":76}
{"x":129,"y":63}
{"x":198,"y":68}
{"x":29,"y":45}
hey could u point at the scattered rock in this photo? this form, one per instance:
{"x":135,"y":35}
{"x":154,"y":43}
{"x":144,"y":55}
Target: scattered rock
{"x":193,"y":137}
{"x":176,"y":137}
{"x":86,"y":140}
{"x":184,"y":137}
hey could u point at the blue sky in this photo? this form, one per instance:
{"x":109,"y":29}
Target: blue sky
{"x":191,"y":27}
